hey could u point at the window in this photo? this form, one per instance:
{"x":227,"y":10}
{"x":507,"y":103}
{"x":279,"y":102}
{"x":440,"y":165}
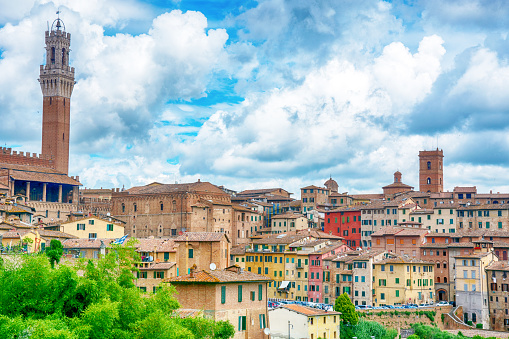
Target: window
{"x":191,"y":253}
{"x":262,"y":320}
{"x":92,"y":235}
{"x":109,"y":227}
{"x":242,"y":323}
{"x":397,"y":293}
{"x":239,"y":294}
{"x":80,"y":227}
{"x":158,"y":275}
{"x":91,"y":222}
{"x":252,"y":295}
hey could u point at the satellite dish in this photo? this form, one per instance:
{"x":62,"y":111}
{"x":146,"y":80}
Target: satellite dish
{"x":266,"y":330}
{"x":212,"y":266}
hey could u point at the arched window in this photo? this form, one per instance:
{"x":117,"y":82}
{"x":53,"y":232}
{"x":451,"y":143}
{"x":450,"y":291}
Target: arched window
{"x":428,"y":181}
{"x":52,"y":55}
{"x":123,"y":208}
{"x":445,"y":279}
{"x":429,"y":165}
{"x":174,"y":205}
{"x":440,"y":181}
{"x":438,"y":279}
{"x":161,"y":205}
{"x":135,"y":207}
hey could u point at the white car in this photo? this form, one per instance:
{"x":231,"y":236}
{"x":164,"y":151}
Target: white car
{"x":443,"y":303}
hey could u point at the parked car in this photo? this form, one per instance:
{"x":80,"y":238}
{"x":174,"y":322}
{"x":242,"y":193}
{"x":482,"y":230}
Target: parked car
{"x":443,"y":303}
{"x":363,"y":307}
{"x":426,"y":305}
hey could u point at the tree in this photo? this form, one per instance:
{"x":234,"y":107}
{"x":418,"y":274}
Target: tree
{"x":54,"y":252}
{"x":344,"y":305}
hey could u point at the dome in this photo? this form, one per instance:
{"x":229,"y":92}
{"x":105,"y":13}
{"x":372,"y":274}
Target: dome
{"x":332,"y":185}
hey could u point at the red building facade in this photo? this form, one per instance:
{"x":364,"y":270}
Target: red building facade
{"x":345,"y":222}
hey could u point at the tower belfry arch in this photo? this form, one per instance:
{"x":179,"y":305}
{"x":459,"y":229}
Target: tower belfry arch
{"x":57,"y":83}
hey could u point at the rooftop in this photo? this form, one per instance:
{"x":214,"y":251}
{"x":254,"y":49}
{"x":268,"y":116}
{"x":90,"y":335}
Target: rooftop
{"x":231,"y":274}
{"x":308,"y":311}
{"x":202,"y":236}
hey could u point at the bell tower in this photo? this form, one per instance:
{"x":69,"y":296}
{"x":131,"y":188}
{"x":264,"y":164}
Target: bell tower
{"x":57,"y":82}
{"x":431,"y":171}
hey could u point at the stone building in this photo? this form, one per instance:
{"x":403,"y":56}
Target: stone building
{"x":399,"y":240}
{"x":94,"y":227}
{"x":245,"y":223}
{"x":231,"y":294}
{"x":472,"y":283}
{"x":498,"y":289}
{"x":163,"y":210}
{"x":200,"y":250}
{"x":288,"y":222}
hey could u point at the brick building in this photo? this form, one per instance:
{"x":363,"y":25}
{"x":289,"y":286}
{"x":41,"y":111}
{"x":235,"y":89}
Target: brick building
{"x":163,"y":210}
{"x":396,"y":187}
{"x":399,"y":240}
{"x":231,"y":295}
{"x":200,"y":250}
{"x":245,"y":222}
{"x":431,"y":171}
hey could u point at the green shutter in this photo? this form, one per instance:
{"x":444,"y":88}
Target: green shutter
{"x":162,"y":275}
{"x":223,"y":294}
{"x":243,"y":323}
{"x":155,"y":275}
{"x":240,"y":323}
{"x":260,"y":291}
{"x":240,"y":293}
{"x":138,"y":274}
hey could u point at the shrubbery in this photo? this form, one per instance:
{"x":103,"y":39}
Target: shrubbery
{"x":39,"y":302}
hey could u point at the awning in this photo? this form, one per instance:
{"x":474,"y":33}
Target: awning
{"x":284,"y":285}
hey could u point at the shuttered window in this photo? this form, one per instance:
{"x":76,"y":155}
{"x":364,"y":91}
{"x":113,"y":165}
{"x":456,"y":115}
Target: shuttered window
{"x":223,"y":294}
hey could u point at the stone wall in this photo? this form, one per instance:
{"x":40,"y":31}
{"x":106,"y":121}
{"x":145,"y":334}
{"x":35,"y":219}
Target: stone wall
{"x":398,"y":318}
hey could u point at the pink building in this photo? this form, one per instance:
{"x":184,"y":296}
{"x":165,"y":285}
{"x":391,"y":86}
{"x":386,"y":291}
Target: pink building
{"x":319,"y":274}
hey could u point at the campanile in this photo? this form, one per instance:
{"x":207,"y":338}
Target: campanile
{"x":431,"y":171}
{"x":57,"y":82}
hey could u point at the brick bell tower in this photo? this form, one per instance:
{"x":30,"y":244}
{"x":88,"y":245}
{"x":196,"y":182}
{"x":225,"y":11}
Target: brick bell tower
{"x":57,"y":82}
{"x":431,"y":171}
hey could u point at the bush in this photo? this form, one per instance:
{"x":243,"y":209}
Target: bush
{"x":478,"y":326}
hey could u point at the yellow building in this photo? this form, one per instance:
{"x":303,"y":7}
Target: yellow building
{"x":94,"y":227}
{"x":296,"y":321}
{"x":402,"y":280}
{"x":34,"y":240}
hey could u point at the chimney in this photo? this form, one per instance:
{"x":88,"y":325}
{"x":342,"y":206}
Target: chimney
{"x":199,"y":180}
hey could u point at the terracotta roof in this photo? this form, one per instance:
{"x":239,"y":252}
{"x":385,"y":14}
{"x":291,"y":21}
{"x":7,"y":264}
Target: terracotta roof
{"x":476,"y":207}
{"x":259,"y":191}
{"x":402,"y":260}
{"x":201,"y":236}
{"x":288,"y":215}
{"x":282,"y":238}
{"x":464,"y":189}
{"x":372,"y":196}
{"x":473,"y":255}
{"x":435,"y":245}
{"x":400,"y":231}
{"x":106,"y":219}
{"x":39,"y":174}
{"x":159,"y":244}
{"x":200,"y":186}
{"x":55,"y":234}
{"x":308,"y":311}
{"x":309,"y":243}
{"x":85,"y":243}
{"x":218,"y":276}
{"x":14,"y":234}
{"x":188,"y":313}
{"x":365,"y":255}
{"x":328,"y":248}
{"x":238,"y":250}
{"x":398,"y":185}
{"x":500,"y":244}
{"x":313,"y":187}
{"x":158,"y":266}
{"x":498,"y":266}
{"x":461,"y":245}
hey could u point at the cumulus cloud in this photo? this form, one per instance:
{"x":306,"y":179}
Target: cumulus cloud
{"x":329,"y":122}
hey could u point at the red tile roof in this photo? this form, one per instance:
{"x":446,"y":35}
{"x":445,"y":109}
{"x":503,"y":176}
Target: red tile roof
{"x":202,"y":236}
{"x":308,"y":311}
{"x":219,"y":276}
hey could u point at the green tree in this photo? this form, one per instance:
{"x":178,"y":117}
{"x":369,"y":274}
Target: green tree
{"x":224,"y":330}
{"x":344,"y":305}
{"x":54,"y":252}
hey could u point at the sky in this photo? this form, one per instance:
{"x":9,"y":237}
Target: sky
{"x":268,"y":93}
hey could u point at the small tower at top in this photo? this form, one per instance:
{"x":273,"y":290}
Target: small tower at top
{"x":57,"y":82}
{"x":431,"y":171}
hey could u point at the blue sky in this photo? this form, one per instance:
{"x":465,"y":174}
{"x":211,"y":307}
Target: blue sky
{"x":252,"y":94}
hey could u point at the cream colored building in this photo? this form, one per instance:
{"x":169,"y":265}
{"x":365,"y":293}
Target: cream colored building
{"x":94,"y":227}
{"x":288,"y":222}
{"x":296,"y":321}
